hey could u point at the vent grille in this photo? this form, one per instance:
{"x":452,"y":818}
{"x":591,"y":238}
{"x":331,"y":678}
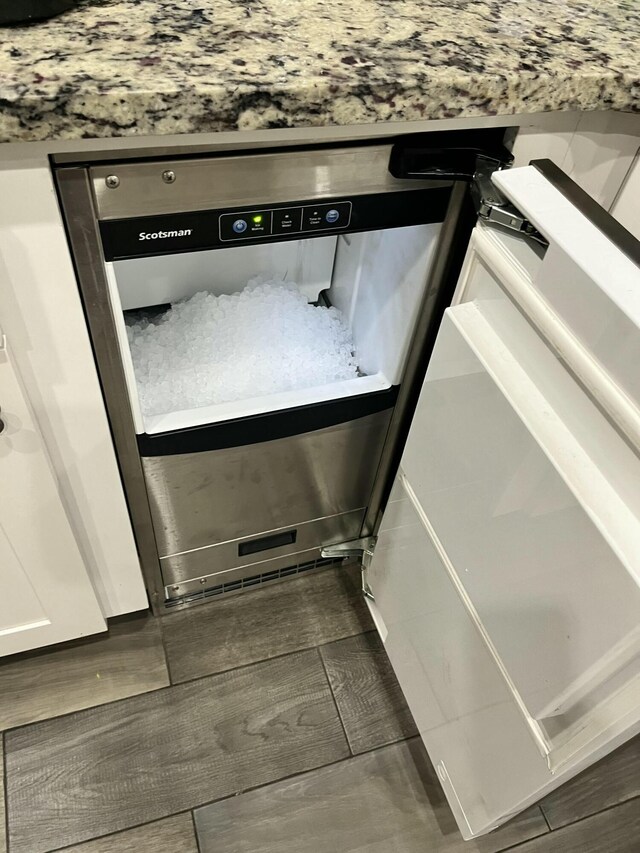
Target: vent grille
{"x":252,"y":582}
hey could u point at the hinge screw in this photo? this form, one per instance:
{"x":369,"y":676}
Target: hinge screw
{"x":168,"y":176}
{"x":112,"y":181}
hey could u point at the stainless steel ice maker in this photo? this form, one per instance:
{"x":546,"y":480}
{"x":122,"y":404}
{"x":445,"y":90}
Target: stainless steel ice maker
{"x":223,"y":501}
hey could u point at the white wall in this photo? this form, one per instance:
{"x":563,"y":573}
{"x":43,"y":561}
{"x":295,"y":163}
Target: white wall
{"x":42,"y":317}
{"x":595,"y":149}
{"x":626,"y":207}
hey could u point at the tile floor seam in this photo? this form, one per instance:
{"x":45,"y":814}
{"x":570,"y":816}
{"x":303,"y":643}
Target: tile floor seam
{"x":22,"y":726}
{"x":349,"y":637}
{"x":267,"y":784}
{"x":237,"y":819}
{"x":335,"y":701}
{"x":291,"y":776}
{"x":567,"y":825}
{"x":520,"y":843}
{"x":170,"y":676}
{"x":264,"y":660}
{"x":195,"y":830}
{"x":192,"y":809}
{"x":178,"y":684}
{"x":118,"y":831}
{"x":524,"y":841}
{"x":385,"y":746}
{"x":278,"y":781}
{"x":253,"y":788}
{"x":591,"y":814}
{"x":164,"y":647}
{"x":129,"y":654}
{"x":393,"y":721}
{"x":194,"y":803}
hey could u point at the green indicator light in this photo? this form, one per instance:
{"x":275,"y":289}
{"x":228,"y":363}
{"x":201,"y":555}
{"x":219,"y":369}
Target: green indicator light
{"x":257,"y":220}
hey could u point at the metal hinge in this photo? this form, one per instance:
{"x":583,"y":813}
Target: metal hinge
{"x":362,"y":549}
{"x":493,"y":207}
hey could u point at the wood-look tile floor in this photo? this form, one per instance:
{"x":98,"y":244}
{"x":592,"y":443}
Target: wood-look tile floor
{"x":265,"y":723}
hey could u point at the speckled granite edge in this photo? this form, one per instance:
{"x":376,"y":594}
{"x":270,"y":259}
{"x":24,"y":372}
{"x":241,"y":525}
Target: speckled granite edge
{"x":152,"y":67}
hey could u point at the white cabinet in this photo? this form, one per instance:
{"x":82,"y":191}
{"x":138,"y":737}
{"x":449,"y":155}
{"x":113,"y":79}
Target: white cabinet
{"x":47,"y":596}
{"x":41,"y":314}
{"x":506,"y":576}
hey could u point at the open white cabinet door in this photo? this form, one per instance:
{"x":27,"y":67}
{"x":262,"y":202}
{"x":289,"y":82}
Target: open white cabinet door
{"x":506,"y":575}
{"x":47,"y":596}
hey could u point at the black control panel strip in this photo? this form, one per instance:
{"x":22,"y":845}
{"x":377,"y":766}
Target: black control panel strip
{"x":268,"y":426}
{"x":215,"y":229}
{"x":252,"y":224}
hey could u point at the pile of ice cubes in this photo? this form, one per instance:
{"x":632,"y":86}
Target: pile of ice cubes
{"x":214,"y":349}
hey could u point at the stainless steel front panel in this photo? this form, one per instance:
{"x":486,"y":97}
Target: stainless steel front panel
{"x":221,"y":563}
{"x":84,"y":239}
{"x":200,"y":499}
{"x":251,"y":179}
{"x":195,"y":501}
{"x":278,"y":570}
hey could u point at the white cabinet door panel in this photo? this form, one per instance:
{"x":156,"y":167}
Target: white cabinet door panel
{"x":46,"y":593}
{"x":487,"y":755}
{"x":20,"y":605}
{"x":506,"y":576}
{"x":460,"y":702}
{"x":586,"y":294}
{"x":541,"y":575}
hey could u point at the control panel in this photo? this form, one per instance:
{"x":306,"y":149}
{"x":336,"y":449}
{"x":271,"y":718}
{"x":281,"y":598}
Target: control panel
{"x":276,"y":222}
{"x":198,"y":230}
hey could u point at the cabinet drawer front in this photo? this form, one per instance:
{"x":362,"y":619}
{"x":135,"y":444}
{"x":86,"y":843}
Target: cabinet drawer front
{"x":203,"y":499}
{"x":533,"y":496}
{"x":47,"y":596}
{"x":464,"y":711}
{"x":584,"y":294}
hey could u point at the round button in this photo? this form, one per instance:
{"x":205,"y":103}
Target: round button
{"x":239,"y":226}
{"x":332,"y":216}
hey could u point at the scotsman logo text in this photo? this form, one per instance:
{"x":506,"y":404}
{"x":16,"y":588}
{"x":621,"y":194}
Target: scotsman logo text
{"x":164,"y":235}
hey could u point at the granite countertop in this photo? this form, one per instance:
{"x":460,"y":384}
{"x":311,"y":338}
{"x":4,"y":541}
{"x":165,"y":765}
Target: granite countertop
{"x":125,"y":67}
